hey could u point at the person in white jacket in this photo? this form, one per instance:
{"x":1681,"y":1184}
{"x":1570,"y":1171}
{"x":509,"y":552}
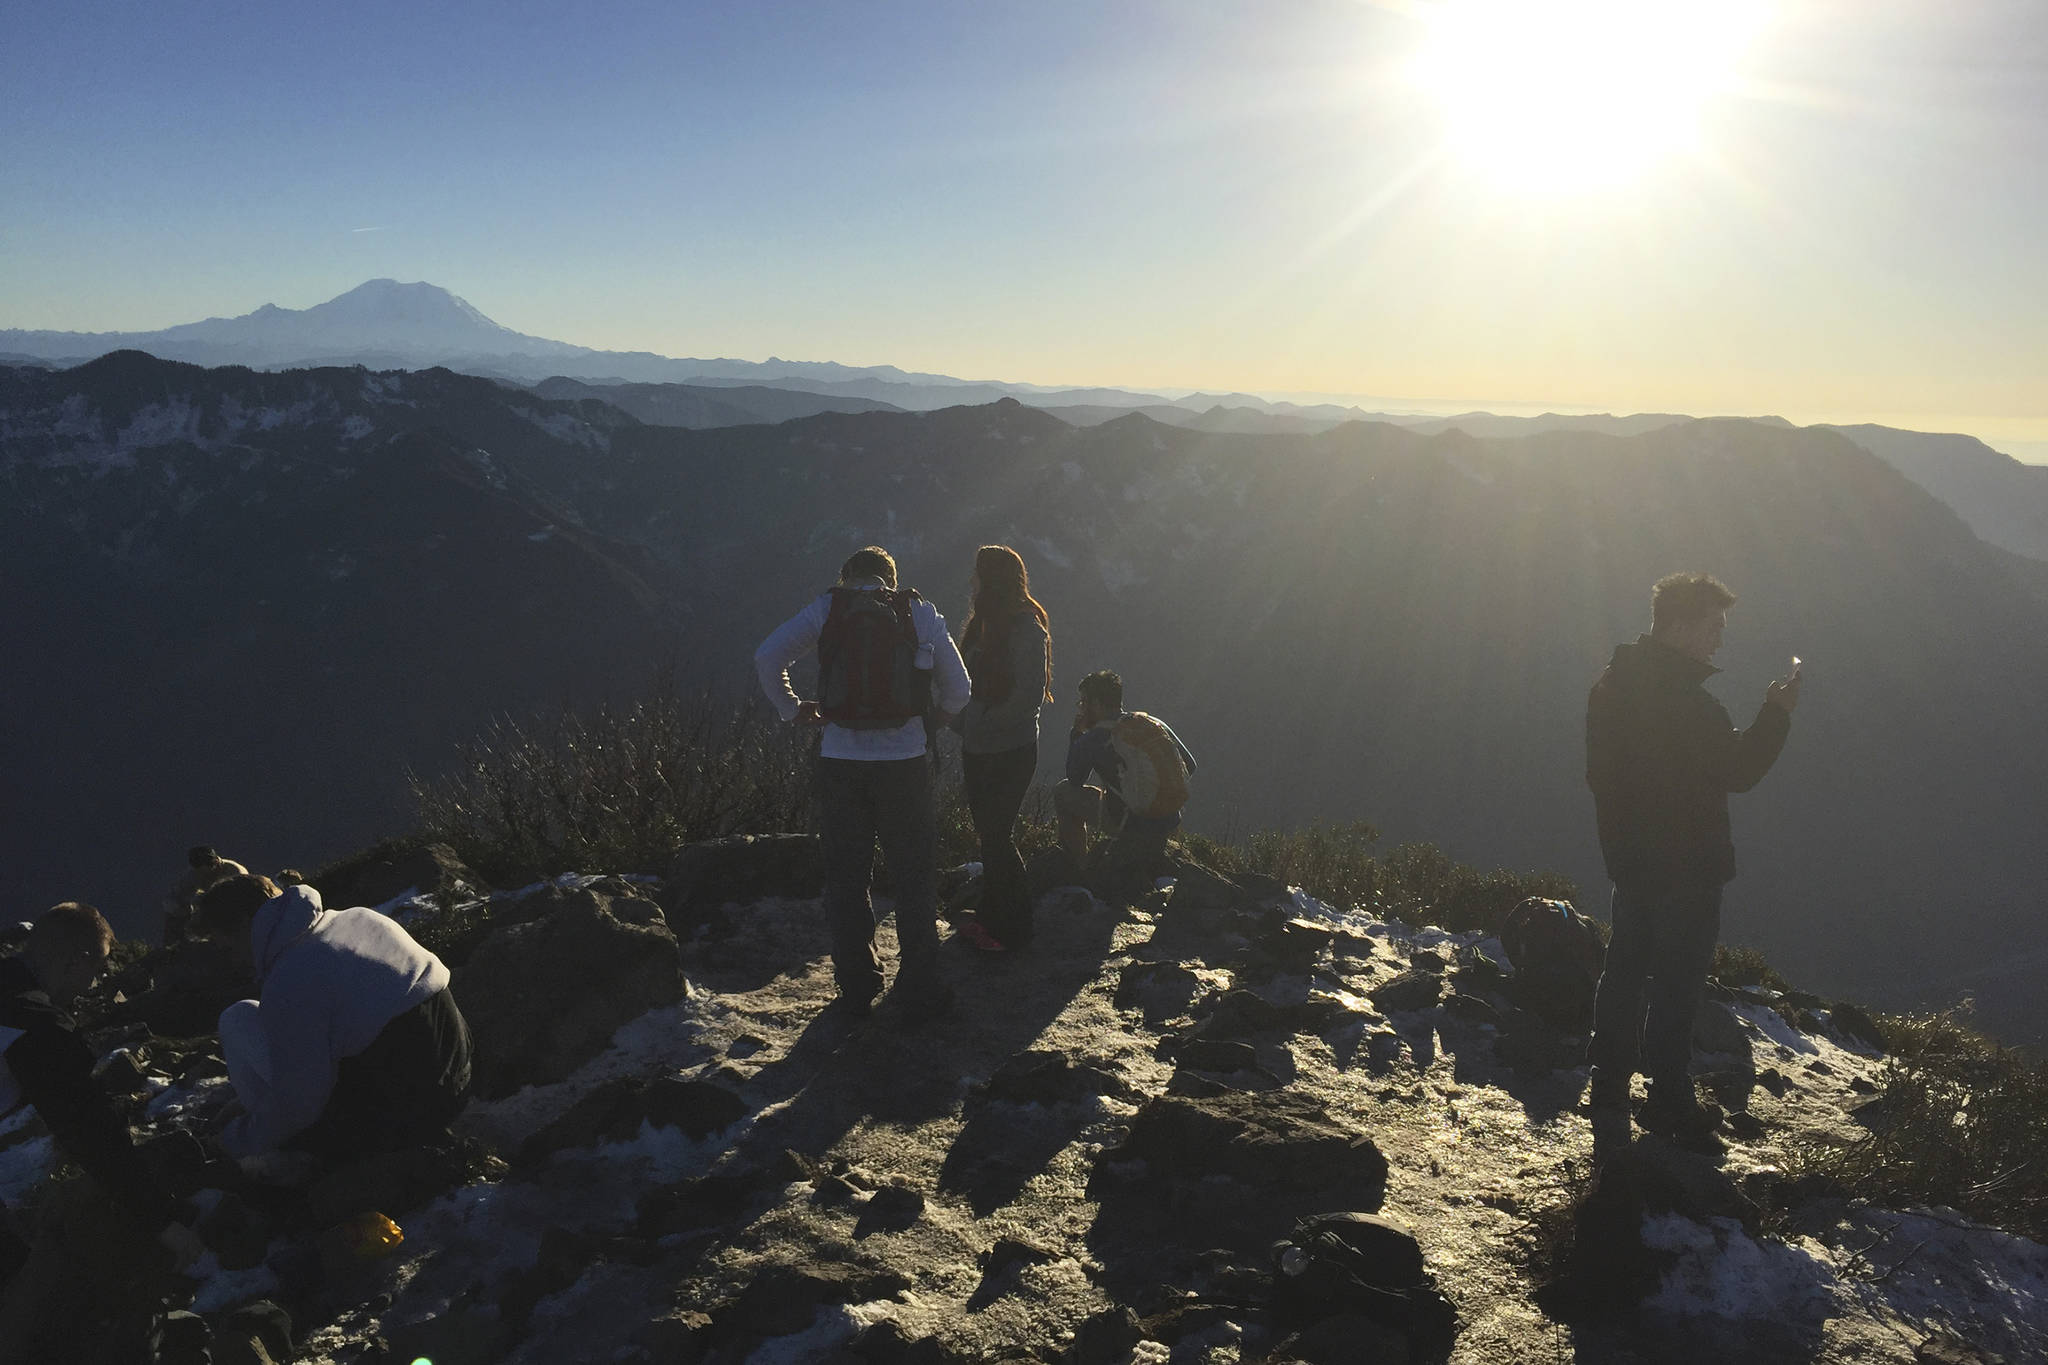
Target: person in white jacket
{"x":356,"y":1044}
{"x":887,"y":670}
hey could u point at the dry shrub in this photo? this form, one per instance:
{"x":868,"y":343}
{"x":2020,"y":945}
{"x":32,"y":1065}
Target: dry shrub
{"x":619,"y":789}
{"x":1415,"y":883}
{"x":1738,"y":967}
{"x":1959,"y":1121}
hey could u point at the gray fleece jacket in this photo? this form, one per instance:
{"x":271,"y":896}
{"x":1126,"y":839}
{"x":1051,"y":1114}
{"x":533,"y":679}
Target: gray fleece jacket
{"x":332,"y":979}
{"x":1012,"y":723}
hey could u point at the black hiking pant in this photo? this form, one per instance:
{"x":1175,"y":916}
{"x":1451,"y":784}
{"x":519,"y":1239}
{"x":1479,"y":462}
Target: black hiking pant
{"x":14,"y":1248}
{"x":1656,"y":971}
{"x":995,"y":785}
{"x":403,"y":1090}
{"x":860,"y":803}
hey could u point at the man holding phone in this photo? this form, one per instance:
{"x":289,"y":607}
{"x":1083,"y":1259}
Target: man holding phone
{"x":1661,"y":757}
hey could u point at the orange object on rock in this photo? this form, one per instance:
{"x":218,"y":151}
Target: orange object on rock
{"x":365,"y":1237}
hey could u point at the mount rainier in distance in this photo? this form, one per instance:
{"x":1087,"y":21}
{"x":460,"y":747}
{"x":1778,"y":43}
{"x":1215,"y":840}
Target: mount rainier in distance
{"x":386,"y":325}
{"x":383,"y":324}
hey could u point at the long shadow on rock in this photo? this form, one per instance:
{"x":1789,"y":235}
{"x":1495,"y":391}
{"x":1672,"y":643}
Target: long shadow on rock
{"x":999,"y":1265}
{"x":783,"y":1299}
{"x":885,"y":1068}
{"x":1522,"y":1056}
{"x":1609,"y":1266}
{"x":1018,"y":1120}
{"x":1158,"y":989}
{"x":1418,"y":1029}
{"x":724,"y":951}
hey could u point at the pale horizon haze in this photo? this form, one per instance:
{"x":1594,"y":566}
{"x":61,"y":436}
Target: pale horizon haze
{"x":1286,"y":199}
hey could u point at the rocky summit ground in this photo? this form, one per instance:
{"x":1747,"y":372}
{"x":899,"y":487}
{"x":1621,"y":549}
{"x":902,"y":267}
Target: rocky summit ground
{"x":1104,"y":1152}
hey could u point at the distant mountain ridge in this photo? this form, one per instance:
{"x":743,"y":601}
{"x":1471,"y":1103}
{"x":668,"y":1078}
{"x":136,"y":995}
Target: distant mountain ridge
{"x":258,"y":598}
{"x":707,"y":405}
{"x":2004,"y":500}
{"x":394,"y":325}
{"x":383,"y":324}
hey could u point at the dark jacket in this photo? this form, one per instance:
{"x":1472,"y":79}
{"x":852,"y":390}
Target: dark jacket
{"x":1661,"y":757}
{"x":50,"y":1067}
{"x":991,"y":724}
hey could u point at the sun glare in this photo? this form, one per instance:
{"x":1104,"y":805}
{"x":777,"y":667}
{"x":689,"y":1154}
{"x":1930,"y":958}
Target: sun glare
{"x":1578,"y":93}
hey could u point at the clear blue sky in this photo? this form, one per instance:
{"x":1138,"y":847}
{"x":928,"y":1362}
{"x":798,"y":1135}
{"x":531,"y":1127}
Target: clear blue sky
{"x":1208,"y":194}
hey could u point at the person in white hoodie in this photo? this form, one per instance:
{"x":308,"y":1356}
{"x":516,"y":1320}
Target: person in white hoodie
{"x":356,"y":1044}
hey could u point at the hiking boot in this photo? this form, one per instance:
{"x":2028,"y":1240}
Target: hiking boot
{"x":1607,"y":1093}
{"x":920,"y":1004}
{"x":852,"y":1006}
{"x":1676,"y":1113}
{"x":180,"y":1338}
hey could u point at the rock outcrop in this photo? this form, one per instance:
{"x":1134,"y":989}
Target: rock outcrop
{"x":383,"y":876}
{"x":738,"y":870}
{"x":559,"y":973}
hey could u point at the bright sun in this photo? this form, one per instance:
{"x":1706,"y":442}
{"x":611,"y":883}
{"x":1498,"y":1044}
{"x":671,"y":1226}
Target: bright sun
{"x":1579,"y":93}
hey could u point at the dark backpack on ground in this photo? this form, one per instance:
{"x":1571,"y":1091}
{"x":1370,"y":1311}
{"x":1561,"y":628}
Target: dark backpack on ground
{"x":1557,"y":956}
{"x":1346,"y":1264}
{"x":868,"y":678}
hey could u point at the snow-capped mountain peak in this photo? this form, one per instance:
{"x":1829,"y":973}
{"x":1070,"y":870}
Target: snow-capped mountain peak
{"x":417,"y":319}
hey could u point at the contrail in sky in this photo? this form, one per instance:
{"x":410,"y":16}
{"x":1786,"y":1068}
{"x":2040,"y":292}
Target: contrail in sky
{"x":374,"y":229}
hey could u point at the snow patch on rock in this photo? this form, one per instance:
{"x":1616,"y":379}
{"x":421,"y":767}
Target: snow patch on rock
{"x":1892,"y":1276}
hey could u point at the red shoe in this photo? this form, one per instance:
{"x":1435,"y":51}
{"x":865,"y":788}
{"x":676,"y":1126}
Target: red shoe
{"x":977,"y":935}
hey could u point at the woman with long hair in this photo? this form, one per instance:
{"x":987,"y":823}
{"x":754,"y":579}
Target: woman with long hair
{"x":1007,"y":643}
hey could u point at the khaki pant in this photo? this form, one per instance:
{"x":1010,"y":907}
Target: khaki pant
{"x":1123,"y":867}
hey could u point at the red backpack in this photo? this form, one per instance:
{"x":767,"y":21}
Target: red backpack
{"x":868,"y":678}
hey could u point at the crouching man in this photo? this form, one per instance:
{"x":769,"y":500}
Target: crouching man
{"x":356,"y":1045}
{"x":49,"y":1067}
{"x":206,"y":870}
{"x":1144,"y":770}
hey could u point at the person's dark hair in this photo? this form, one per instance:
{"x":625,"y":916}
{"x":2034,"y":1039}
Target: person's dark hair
{"x":228,"y":907}
{"x":1104,"y":687}
{"x":70,"y":928}
{"x":1003,"y":587}
{"x":201,"y":855}
{"x":1683,"y":597}
{"x":869,"y":562}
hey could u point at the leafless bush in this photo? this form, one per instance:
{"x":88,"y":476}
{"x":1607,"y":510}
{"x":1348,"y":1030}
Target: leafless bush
{"x":1960,"y":1121}
{"x":1417,"y":883}
{"x":618,"y":789}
